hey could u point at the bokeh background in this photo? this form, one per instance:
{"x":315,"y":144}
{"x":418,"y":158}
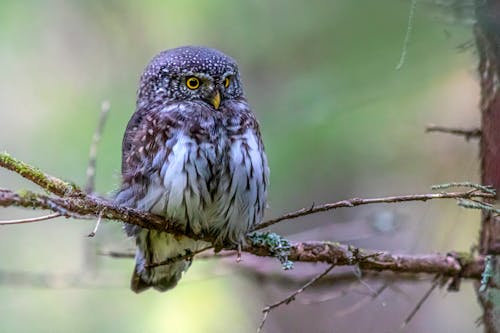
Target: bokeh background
{"x":338,"y":121}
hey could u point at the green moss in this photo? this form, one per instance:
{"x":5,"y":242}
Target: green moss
{"x":278,"y":246}
{"x":22,"y":168}
{"x":488,"y":273}
{"x":36,"y":175}
{"x":486,"y":189}
{"x":28,"y":196}
{"x":335,"y":244}
{"x":464,"y":257}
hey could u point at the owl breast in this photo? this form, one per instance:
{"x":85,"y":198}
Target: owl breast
{"x":216,"y":183}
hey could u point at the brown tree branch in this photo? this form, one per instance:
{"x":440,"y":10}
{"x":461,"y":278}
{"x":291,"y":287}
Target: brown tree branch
{"x":358,"y":202}
{"x":452,"y":265}
{"x":188,"y":255}
{"x":467,"y":133}
{"x":89,"y":206}
{"x":31,"y":219}
{"x":71,"y":202}
{"x":262,"y":268}
{"x":292,"y":296}
{"x":329,"y":252}
{"x":421,"y":302}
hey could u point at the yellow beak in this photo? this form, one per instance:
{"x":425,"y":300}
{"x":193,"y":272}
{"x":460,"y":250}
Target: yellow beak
{"x":216,"y":100}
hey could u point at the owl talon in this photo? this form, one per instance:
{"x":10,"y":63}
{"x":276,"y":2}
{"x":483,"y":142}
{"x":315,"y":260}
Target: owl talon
{"x":218,"y":247}
{"x":238,"y":253}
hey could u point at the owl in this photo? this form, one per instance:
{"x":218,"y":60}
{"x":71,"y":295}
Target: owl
{"x":192,"y":152}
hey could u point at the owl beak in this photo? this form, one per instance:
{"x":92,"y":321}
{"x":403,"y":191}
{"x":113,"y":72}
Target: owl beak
{"x":215,"y":100}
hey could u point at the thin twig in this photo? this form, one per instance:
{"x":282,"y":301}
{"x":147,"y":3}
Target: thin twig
{"x":476,"y":204}
{"x":116,"y":254}
{"x":409,"y":29}
{"x":486,"y":189}
{"x":358,"y":305}
{"x":358,"y":273}
{"x":468,"y":133}
{"x":186,"y":256}
{"x":372,"y":294}
{"x":84,"y":206}
{"x":131,"y":254}
{"x":91,"y":168}
{"x":30,"y":220}
{"x":358,"y":201}
{"x":97,"y":224}
{"x":421,"y":302}
{"x":292,"y":296}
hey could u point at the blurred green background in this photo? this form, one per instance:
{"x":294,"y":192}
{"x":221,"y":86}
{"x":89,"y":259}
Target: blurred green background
{"x":337,"y":119}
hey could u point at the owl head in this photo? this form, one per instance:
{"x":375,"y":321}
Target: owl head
{"x":190,"y":73}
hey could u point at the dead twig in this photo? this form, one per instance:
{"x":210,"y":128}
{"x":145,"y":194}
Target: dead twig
{"x":116,"y":254}
{"x":421,"y":302}
{"x":91,"y":168}
{"x":97,"y":224}
{"x":292,"y":296}
{"x":365,"y":300}
{"x":188,"y":255}
{"x":467,"y":133}
{"x":358,"y":202}
{"x":131,"y":254}
{"x":31,"y":220}
{"x":409,"y":29}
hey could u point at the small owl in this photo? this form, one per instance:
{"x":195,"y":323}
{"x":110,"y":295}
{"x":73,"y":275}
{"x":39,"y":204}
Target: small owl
{"x":191,"y":152}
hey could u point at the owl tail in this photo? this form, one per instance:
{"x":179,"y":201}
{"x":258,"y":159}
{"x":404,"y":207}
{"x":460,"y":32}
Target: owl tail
{"x":155,"y":247}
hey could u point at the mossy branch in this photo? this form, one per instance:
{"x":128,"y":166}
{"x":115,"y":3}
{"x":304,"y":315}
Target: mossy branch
{"x":69,"y":201}
{"x":48,"y":183}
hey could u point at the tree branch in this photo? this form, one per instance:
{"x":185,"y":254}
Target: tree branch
{"x":48,"y":183}
{"x":292,"y":296}
{"x":358,"y":202}
{"x":91,"y":167}
{"x":71,"y":202}
{"x":467,"y":133}
{"x":452,"y":265}
{"x":31,"y":219}
{"x":421,"y":302}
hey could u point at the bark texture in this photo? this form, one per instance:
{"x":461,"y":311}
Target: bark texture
{"x":487,"y":31}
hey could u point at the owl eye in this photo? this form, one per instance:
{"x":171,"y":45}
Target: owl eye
{"x":192,"y":83}
{"x":227,"y":80}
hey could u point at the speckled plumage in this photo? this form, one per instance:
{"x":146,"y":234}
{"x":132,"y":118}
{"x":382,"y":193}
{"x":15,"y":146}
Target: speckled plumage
{"x":188,"y":158}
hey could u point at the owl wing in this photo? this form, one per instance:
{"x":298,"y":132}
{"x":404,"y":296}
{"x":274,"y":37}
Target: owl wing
{"x":145,"y":152}
{"x":144,"y":141}
{"x":128,"y":137}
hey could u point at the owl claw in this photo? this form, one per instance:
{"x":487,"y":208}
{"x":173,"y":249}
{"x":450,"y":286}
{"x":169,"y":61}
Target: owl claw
{"x":218,"y":246}
{"x":238,"y":253}
{"x":228,"y":245}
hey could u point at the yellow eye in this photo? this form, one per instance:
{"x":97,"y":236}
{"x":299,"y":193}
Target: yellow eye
{"x":227,"y":80}
{"x":192,"y":83}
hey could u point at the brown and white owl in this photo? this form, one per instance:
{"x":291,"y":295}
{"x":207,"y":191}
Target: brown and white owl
{"x":192,"y":152}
